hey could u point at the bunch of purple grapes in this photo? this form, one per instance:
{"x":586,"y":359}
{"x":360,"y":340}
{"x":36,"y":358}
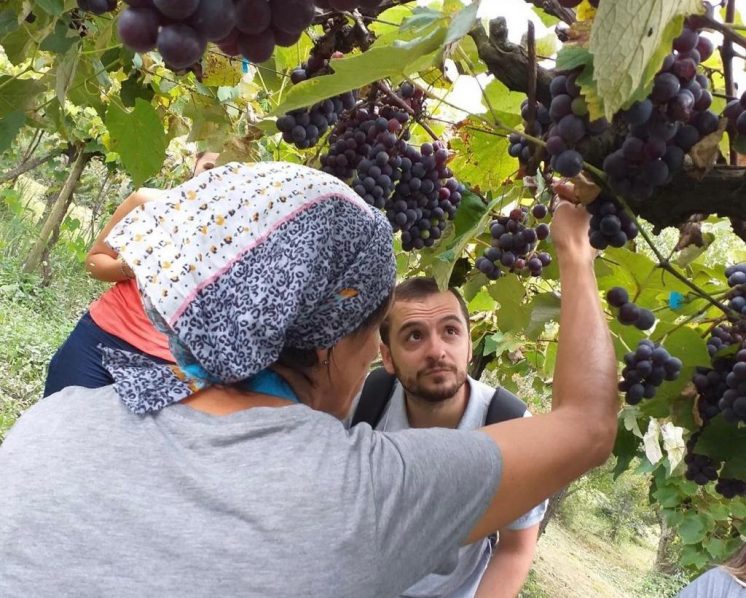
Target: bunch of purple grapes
{"x":730,"y":487}
{"x":737,"y":281}
{"x":722,"y":337}
{"x":735,"y":112}
{"x":645,"y":370}
{"x":732,"y":403}
{"x":514,"y":245}
{"x":305,"y":126}
{"x":180,"y":29}
{"x":97,"y":7}
{"x":610,"y":224}
{"x":710,"y":385}
{"x":425,"y":198}
{"x":363,"y":133}
{"x":700,"y":469}
{"x":663,"y":127}
{"x":629,"y":313}
{"x":572,"y":130}
{"x":519,"y":146}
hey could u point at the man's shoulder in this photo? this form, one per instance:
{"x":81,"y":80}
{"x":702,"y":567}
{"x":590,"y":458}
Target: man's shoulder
{"x":485,"y":394}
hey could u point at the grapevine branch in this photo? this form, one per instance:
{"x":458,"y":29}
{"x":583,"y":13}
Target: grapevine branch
{"x":726,"y":52}
{"x":406,"y":107}
{"x":552,"y":7}
{"x":509,"y":62}
{"x":665,"y":264}
{"x":729,"y":33}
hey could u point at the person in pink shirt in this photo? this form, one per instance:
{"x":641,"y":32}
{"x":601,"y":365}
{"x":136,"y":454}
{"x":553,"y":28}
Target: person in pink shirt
{"x":117,"y":319}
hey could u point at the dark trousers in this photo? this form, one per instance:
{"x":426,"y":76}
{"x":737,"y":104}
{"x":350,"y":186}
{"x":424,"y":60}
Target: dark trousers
{"x":78,"y":361}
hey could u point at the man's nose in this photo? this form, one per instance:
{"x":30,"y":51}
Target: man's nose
{"x":436,"y":347}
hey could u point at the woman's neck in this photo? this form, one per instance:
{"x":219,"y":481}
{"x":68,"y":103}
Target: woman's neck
{"x":222,"y":400}
{"x":226,"y":401}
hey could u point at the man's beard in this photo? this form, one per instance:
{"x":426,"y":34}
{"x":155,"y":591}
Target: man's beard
{"x":416,"y":388}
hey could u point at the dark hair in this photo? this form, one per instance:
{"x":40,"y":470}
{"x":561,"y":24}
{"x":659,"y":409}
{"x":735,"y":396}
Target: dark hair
{"x":300,"y":360}
{"x":736,"y":564}
{"x":199,"y":155}
{"x":420,"y":287}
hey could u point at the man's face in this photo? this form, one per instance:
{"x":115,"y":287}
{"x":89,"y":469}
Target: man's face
{"x":206,"y":162}
{"x":429,"y":346}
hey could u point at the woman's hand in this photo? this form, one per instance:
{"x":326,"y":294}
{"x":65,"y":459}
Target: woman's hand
{"x":102,"y":262}
{"x":570,"y":224}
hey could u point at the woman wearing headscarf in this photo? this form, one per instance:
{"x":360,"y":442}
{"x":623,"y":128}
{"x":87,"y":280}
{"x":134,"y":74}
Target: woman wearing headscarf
{"x":231,"y":473}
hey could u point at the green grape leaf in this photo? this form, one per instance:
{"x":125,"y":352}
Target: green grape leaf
{"x":694,"y":526}
{"x":60,"y":40}
{"x":469,"y":222}
{"x":482,"y":157}
{"x":503,"y":105}
{"x":723,"y":441}
{"x":52,"y":7}
{"x":507,"y":288}
{"x":625,"y":449}
{"x":512,"y":315}
{"x":127,"y":131}
{"x":572,"y":57}
{"x":694,"y":556}
{"x":354,"y":72}
{"x":547,"y":19}
{"x":627,"y":41}
{"x":462,"y":22}
{"x":18,"y":94}
{"x":10,"y":126}
{"x":65,"y":72}
{"x":545,"y":307}
{"x":8,"y":21}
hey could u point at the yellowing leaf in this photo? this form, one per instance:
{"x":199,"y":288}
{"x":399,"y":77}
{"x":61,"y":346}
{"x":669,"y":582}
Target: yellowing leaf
{"x":625,"y":38}
{"x":220,"y":70}
{"x":585,"y":11}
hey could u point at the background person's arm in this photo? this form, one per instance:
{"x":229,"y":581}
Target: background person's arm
{"x":543,"y":453}
{"x":509,"y":566}
{"x":102,"y":262}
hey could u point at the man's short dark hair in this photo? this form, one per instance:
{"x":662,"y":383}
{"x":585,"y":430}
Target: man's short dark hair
{"x":419,"y":287}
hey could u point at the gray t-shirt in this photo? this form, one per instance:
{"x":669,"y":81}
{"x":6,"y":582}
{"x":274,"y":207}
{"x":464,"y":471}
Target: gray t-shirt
{"x":97,"y":501}
{"x":460,"y":576}
{"x":716,"y":583}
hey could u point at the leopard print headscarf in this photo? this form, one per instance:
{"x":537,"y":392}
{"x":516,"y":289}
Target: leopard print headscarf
{"x":242,"y":261}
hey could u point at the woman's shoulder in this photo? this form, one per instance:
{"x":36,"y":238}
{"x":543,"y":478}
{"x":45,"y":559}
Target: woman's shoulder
{"x":715,"y":583}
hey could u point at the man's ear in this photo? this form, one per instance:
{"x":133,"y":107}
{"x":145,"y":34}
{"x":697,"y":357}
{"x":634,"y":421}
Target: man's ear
{"x":388,"y":363}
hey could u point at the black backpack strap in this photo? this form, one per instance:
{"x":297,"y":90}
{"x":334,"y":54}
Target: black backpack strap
{"x":504,"y":406}
{"x":376,"y":393}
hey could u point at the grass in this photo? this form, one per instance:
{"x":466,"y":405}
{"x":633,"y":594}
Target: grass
{"x":575,"y":564}
{"x":34,"y":322}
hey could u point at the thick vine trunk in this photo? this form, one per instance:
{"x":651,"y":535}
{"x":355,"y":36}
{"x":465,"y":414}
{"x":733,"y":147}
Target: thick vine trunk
{"x":28,"y":166}
{"x":57,"y":214}
{"x":664,"y":560}
{"x":98,"y":206}
{"x":555,"y":502}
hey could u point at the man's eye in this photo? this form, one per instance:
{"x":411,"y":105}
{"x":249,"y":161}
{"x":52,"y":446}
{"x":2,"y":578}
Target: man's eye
{"x":414,"y":336}
{"x":209,"y":166}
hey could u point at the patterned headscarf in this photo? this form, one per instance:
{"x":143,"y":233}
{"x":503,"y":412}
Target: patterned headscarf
{"x":242,"y":261}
